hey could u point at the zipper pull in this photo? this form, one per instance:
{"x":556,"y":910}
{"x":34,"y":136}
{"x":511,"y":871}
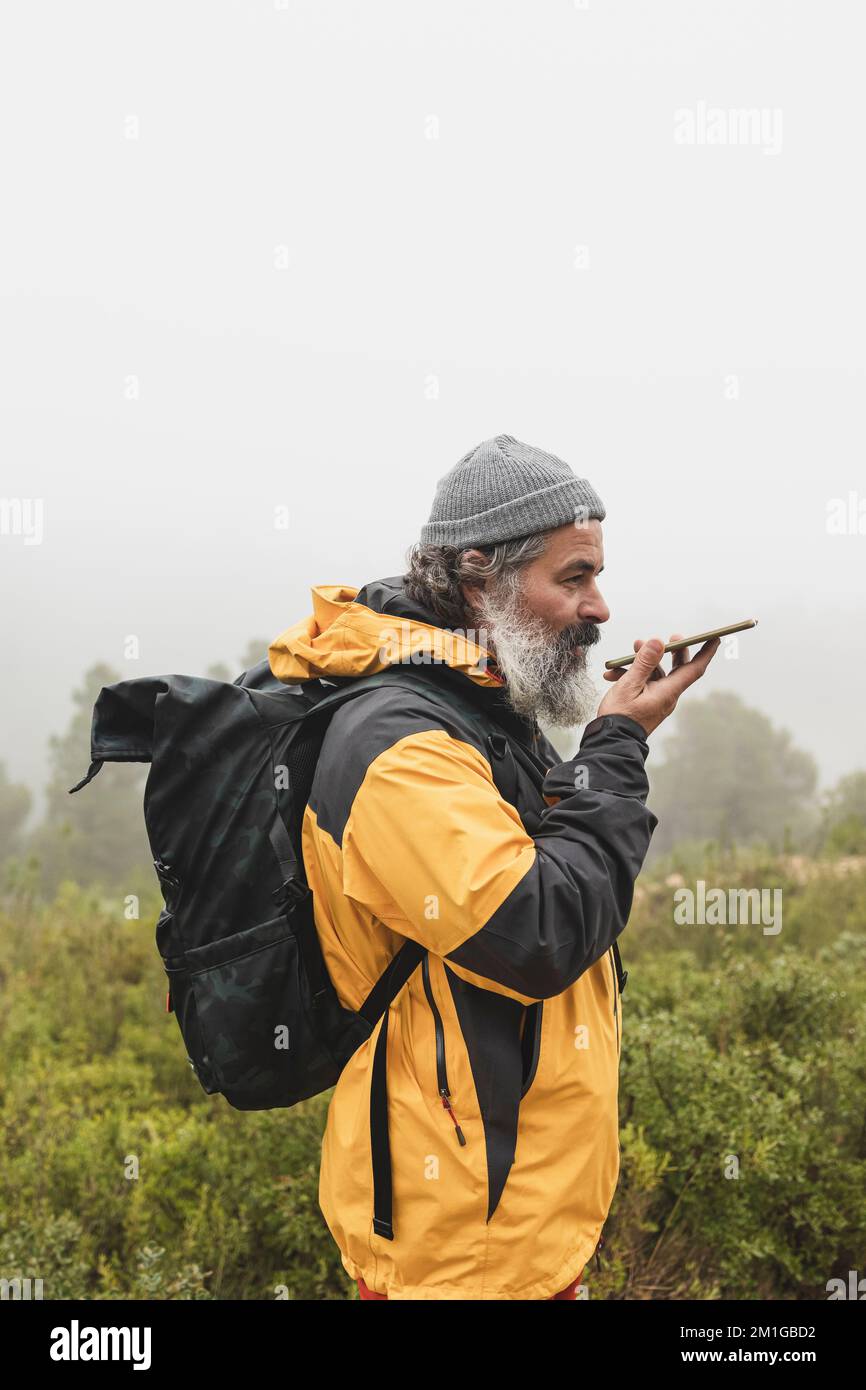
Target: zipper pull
{"x":447,"y":1104}
{"x":597,"y":1254}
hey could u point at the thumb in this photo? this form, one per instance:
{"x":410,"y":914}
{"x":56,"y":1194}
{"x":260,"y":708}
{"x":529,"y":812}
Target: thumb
{"x":647,"y":660}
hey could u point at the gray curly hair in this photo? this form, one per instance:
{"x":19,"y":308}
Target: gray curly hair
{"x":436,"y":572}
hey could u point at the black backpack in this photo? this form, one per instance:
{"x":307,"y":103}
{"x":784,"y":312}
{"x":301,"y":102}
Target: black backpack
{"x":231,"y":770}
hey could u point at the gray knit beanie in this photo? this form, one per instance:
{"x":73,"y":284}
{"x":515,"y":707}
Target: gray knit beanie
{"x":503,"y":489}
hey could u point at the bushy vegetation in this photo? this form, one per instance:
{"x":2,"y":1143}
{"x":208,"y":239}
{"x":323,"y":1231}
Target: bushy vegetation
{"x":743,"y":1078}
{"x":119,"y":1177}
{"x":742,"y":1104}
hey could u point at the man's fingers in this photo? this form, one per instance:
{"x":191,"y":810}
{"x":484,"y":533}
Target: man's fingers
{"x":646,"y":668}
{"x":659,"y":673}
{"x":678,"y":658}
{"x":645,"y":663}
{"x":619,"y":671}
{"x":688,"y":672}
{"x":653,"y":670}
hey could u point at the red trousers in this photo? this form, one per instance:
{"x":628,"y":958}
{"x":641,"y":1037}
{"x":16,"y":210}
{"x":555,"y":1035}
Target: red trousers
{"x":569,"y":1293}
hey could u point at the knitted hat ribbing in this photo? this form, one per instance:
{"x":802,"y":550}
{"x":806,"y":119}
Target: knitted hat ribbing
{"x":503,"y":489}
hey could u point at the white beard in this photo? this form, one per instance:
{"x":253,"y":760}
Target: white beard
{"x":545,"y":670}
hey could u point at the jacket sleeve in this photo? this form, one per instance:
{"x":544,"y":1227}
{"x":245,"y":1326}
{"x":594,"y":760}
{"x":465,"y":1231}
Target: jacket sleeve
{"x":432,"y":850}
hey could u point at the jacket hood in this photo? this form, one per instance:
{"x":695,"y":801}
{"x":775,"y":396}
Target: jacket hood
{"x":357,"y":632}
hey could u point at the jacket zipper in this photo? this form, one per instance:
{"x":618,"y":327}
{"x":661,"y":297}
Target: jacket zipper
{"x":615,"y":1010}
{"x":167,"y":879}
{"x":441,"y":1073}
{"x":600,"y":1245}
{"x":538,"y":1013}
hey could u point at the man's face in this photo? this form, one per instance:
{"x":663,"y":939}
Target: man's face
{"x":559,"y":587}
{"x":541,"y":618}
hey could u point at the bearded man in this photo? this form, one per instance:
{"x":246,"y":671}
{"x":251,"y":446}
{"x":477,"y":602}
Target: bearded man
{"x":471,"y":1148}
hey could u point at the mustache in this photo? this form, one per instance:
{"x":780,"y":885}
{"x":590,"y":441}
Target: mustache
{"x":581,"y":634}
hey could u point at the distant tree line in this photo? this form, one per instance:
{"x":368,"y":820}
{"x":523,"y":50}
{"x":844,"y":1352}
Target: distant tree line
{"x":727,"y":775}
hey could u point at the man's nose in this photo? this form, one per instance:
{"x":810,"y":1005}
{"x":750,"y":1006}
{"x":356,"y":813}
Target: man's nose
{"x":593,"y":608}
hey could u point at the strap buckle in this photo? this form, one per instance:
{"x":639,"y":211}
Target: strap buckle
{"x":290,"y":891}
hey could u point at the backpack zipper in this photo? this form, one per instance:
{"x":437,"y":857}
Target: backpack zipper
{"x":441,"y":1073}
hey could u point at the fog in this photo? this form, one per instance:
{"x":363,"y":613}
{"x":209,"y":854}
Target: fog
{"x":305,"y":255}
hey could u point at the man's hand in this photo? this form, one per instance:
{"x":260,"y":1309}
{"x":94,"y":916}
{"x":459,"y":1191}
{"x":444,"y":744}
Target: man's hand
{"x":644,"y":692}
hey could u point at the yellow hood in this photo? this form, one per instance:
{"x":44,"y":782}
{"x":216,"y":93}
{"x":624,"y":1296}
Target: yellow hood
{"x":345,"y":638}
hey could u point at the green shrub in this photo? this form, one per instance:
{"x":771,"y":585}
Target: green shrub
{"x":119,"y":1177}
{"x":742,"y":1105}
{"x":742,"y":1102}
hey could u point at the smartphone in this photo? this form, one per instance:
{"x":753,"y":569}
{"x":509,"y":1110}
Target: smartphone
{"x":688,"y":641}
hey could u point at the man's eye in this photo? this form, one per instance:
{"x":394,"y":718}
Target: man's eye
{"x":574,"y":579}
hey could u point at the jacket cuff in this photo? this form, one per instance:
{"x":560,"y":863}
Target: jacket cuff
{"x":612,"y":755}
{"x":611,"y":723}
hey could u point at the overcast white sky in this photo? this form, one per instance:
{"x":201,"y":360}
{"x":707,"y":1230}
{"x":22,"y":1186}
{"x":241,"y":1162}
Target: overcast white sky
{"x":308,"y":254}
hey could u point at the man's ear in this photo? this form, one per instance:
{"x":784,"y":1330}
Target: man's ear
{"x":473,"y":592}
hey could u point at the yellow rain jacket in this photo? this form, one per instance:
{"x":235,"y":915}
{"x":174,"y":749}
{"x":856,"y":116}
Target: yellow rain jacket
{"x":501,"y":1051}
